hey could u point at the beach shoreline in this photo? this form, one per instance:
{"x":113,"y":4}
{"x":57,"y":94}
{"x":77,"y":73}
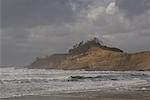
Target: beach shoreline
{"x":94,"y":95}
{"x":37,"y":84}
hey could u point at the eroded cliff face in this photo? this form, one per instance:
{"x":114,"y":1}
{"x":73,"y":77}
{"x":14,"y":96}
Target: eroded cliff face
{"x":92,"y":55}
{"x":100,"y":59}
{"x":96,"y":59}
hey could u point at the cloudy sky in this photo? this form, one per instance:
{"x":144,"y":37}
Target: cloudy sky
{"x":32,"y":28}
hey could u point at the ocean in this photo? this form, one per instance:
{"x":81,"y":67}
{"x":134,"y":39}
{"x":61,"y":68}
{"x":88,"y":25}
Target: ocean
{"x":15,"y":82}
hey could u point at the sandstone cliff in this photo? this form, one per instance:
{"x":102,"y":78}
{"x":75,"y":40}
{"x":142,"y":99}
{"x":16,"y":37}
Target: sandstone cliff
{"x":100,"y":59}
{"x":92,"y":55}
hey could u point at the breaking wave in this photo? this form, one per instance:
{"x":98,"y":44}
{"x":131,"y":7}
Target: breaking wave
{"x":23,"y":81}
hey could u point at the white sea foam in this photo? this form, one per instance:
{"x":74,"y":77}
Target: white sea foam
{"x":22,"y":81}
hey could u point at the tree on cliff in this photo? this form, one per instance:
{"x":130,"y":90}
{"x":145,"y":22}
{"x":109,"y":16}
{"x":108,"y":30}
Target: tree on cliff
{"x":83,"y":47}
{"x":95,"y":42}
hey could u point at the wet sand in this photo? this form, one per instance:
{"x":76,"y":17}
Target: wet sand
{"x":138,"y":95}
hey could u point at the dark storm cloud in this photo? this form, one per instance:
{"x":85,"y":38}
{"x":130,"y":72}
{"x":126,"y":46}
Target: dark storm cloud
{"x":32,"y":28}
{"x":133,"y":7}
{"x":19,"y":40}
{"x":27,"y":13}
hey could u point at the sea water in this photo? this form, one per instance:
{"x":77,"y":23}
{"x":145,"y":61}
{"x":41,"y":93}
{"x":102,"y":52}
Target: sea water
{"x":22,"y":81}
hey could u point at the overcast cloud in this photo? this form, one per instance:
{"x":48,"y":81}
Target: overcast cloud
{"x":32,"y":28}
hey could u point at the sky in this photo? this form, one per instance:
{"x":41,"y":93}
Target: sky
{"x":36,"y":28}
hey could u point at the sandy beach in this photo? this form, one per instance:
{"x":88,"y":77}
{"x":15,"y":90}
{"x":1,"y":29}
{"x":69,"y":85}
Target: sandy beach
{"x":134,"y":95}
